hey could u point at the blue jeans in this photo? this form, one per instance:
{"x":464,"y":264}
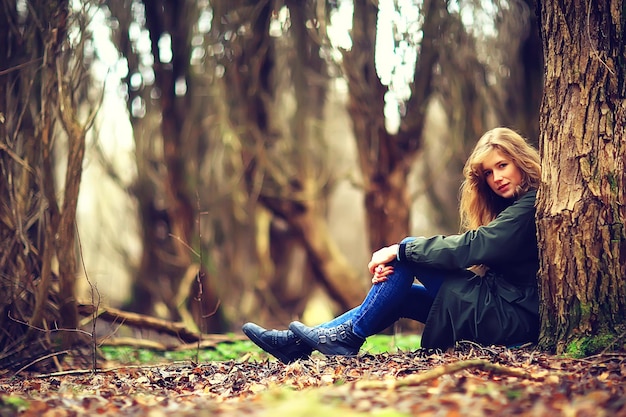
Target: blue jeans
{"x":398,"y":297}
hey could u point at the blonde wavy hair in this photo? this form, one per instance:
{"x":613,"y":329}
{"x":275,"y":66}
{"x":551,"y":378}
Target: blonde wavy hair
{"x":479,"y":204}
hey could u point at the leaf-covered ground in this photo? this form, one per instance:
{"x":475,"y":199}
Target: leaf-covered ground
{"x":469,"y":381}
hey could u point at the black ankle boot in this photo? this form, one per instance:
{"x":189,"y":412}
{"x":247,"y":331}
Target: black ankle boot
{"x":339,"y":340}
{"x":282,"y":344}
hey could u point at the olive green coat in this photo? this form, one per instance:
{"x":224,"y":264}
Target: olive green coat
{"x":503,"y":306}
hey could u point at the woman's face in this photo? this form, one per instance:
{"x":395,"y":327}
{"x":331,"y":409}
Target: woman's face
{"x":501,"y":174}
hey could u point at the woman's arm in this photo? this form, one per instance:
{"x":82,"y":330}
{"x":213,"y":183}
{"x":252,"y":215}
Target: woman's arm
{"x":506,"y":237}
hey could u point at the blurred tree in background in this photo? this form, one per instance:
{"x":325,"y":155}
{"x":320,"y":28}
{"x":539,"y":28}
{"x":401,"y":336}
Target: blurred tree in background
{"x":155,"y":39}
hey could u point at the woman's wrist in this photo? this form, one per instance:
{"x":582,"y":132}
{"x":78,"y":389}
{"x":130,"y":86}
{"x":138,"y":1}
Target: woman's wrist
{"x":394,"y":250}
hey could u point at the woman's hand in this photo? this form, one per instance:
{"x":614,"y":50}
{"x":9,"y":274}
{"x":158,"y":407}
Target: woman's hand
{"x":381,"y":272}
{"x":378,"y":264}
{"x":382,"y":257}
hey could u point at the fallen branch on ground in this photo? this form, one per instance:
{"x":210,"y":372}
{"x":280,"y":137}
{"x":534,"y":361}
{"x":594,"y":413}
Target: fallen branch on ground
{"x":448,"y":369}
{"x":141,"y":321}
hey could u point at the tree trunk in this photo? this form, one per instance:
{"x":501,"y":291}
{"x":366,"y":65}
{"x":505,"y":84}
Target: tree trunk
{"x":582,"y":206}
{"x":385,"y":159}
{"x":166,"y":137}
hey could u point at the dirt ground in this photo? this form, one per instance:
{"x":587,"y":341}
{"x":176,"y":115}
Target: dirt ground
{"x":468,"y":381}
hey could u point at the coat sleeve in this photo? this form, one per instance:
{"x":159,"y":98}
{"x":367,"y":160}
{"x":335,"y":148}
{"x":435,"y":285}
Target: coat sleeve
{"x":506,"y":237}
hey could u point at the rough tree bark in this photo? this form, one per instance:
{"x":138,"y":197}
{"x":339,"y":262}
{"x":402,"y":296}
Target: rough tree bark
{"x":582,"y":199}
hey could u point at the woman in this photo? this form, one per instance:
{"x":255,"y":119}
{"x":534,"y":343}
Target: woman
{"x":480,"y":285}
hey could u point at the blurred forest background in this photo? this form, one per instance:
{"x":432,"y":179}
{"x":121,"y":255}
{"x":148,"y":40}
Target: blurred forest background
{"x":240,"y":160}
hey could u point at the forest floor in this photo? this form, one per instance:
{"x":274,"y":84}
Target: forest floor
{"x":469,"y":381}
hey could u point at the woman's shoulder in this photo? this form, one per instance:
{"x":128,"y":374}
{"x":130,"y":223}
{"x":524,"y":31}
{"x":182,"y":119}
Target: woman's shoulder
{"x":528,"y":198}
{"x":523,"y":206}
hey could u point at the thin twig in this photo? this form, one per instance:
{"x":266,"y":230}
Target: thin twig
{"x":50,"y":355}
{"x":617,"y":339}
{"x":595,"y":51}
{"x":199,"y":276}
{"x":185,"y":244}
{"x":56,"y":329}
{"x":20,"y":66}
{"x":217,"y":305}
{"x":94,"y":290}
